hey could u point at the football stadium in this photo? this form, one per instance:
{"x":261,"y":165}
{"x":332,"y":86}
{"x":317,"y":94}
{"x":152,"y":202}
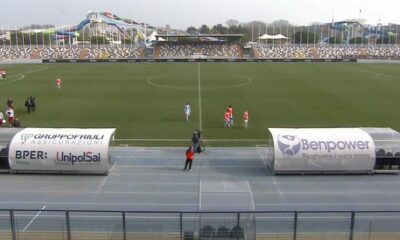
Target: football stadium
{"x":112,"y":128}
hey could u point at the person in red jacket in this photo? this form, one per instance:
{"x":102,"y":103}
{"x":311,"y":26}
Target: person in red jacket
{"x":189,"y":158}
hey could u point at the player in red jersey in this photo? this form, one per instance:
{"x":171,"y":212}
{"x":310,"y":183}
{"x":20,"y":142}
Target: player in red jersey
{"x":58,"y":82}
{"x":246,"y":119}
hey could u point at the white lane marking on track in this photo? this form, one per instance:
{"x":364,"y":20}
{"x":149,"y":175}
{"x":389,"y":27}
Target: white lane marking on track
{"x":199,"y":195}
{"x":186,"y":140}
{"x":273,"y":178}
{"x":178,"y":166}
{"x":102,"y":184}
{"x":34,"y":218}
{"x":251,"y":196}
{"x":111,"y":203}
{"x":161,"y":158}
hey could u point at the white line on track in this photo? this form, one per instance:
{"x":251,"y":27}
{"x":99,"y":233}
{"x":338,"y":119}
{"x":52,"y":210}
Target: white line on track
{"x":33,"y":219}
{"x":105,"y":204}
{"x":200,"y":195}
{"x":252,"y":198}
{"x":101,"y":185}
{"x":187,"y":140}
{"x":262,"y":157}
{"x":180,"y":158}
{"x":199,"y":78}
{"x":179,"y":166}
{"x":328,"y":204}
{"x":113,"y":166}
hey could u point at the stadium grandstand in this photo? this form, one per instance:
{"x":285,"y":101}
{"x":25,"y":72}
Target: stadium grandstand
{"x":103,"y":148}
{"x":104,"y":35}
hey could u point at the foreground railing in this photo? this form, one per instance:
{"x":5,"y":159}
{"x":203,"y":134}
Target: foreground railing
{"x":68,"y":225}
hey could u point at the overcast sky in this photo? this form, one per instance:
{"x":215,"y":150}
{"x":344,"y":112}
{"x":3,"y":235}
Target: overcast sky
{"x":184,"y":13}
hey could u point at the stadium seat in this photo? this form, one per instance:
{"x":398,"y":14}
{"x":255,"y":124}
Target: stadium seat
{"x":206,"y":232}
{"x":388,"y":159}
{"x":223,"y":232}
{"x":380,"y":160}
{"x":237,"y":233}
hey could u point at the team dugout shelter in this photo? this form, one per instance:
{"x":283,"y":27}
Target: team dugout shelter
{"x":335,"y":150}
{"x":57,"y":150}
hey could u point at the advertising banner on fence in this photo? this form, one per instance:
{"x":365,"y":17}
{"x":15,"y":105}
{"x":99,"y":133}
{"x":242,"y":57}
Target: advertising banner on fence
{"x":61,"y":149}
{"x":324,"y":149}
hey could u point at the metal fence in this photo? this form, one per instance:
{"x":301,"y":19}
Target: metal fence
{"x":92,"y":225}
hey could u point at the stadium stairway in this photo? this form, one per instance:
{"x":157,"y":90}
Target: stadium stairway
{"x":240,"y":51}
{"x":84,"y":54}
{"x":157,"y":52}
{"x":36,"y":53}
{"x":362,"y":52}
{"x":314,"y":53}
{"x":255,"y":53}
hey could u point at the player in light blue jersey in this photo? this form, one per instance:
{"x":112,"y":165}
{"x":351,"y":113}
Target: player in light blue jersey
{"x":187,"y":111}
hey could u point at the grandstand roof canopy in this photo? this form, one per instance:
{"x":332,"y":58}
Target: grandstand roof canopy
{"x":200,"y":36}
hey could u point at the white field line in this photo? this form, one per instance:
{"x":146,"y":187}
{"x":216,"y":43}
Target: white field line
{"x":199,"y":78}
{"x":33,"y":219}
{"x":22,"y":76}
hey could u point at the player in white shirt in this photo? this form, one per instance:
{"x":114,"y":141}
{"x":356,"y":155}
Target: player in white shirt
{"x":10,"y":115}
{"x":187,"y":111}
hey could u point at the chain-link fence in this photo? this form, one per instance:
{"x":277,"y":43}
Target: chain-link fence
{"x":71,"y":225}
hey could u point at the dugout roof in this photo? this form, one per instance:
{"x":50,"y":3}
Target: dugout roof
{"x":199,"y":37}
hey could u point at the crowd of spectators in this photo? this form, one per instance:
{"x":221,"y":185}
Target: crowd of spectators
{"x":170,"y":49}
{"x":206,"y":49}
{"x":73,"y":52}
{"x":200,"y":49}
{"x":339,"y":52}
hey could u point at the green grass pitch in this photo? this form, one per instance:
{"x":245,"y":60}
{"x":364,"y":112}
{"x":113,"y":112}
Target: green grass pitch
{"x":145,"y":101}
